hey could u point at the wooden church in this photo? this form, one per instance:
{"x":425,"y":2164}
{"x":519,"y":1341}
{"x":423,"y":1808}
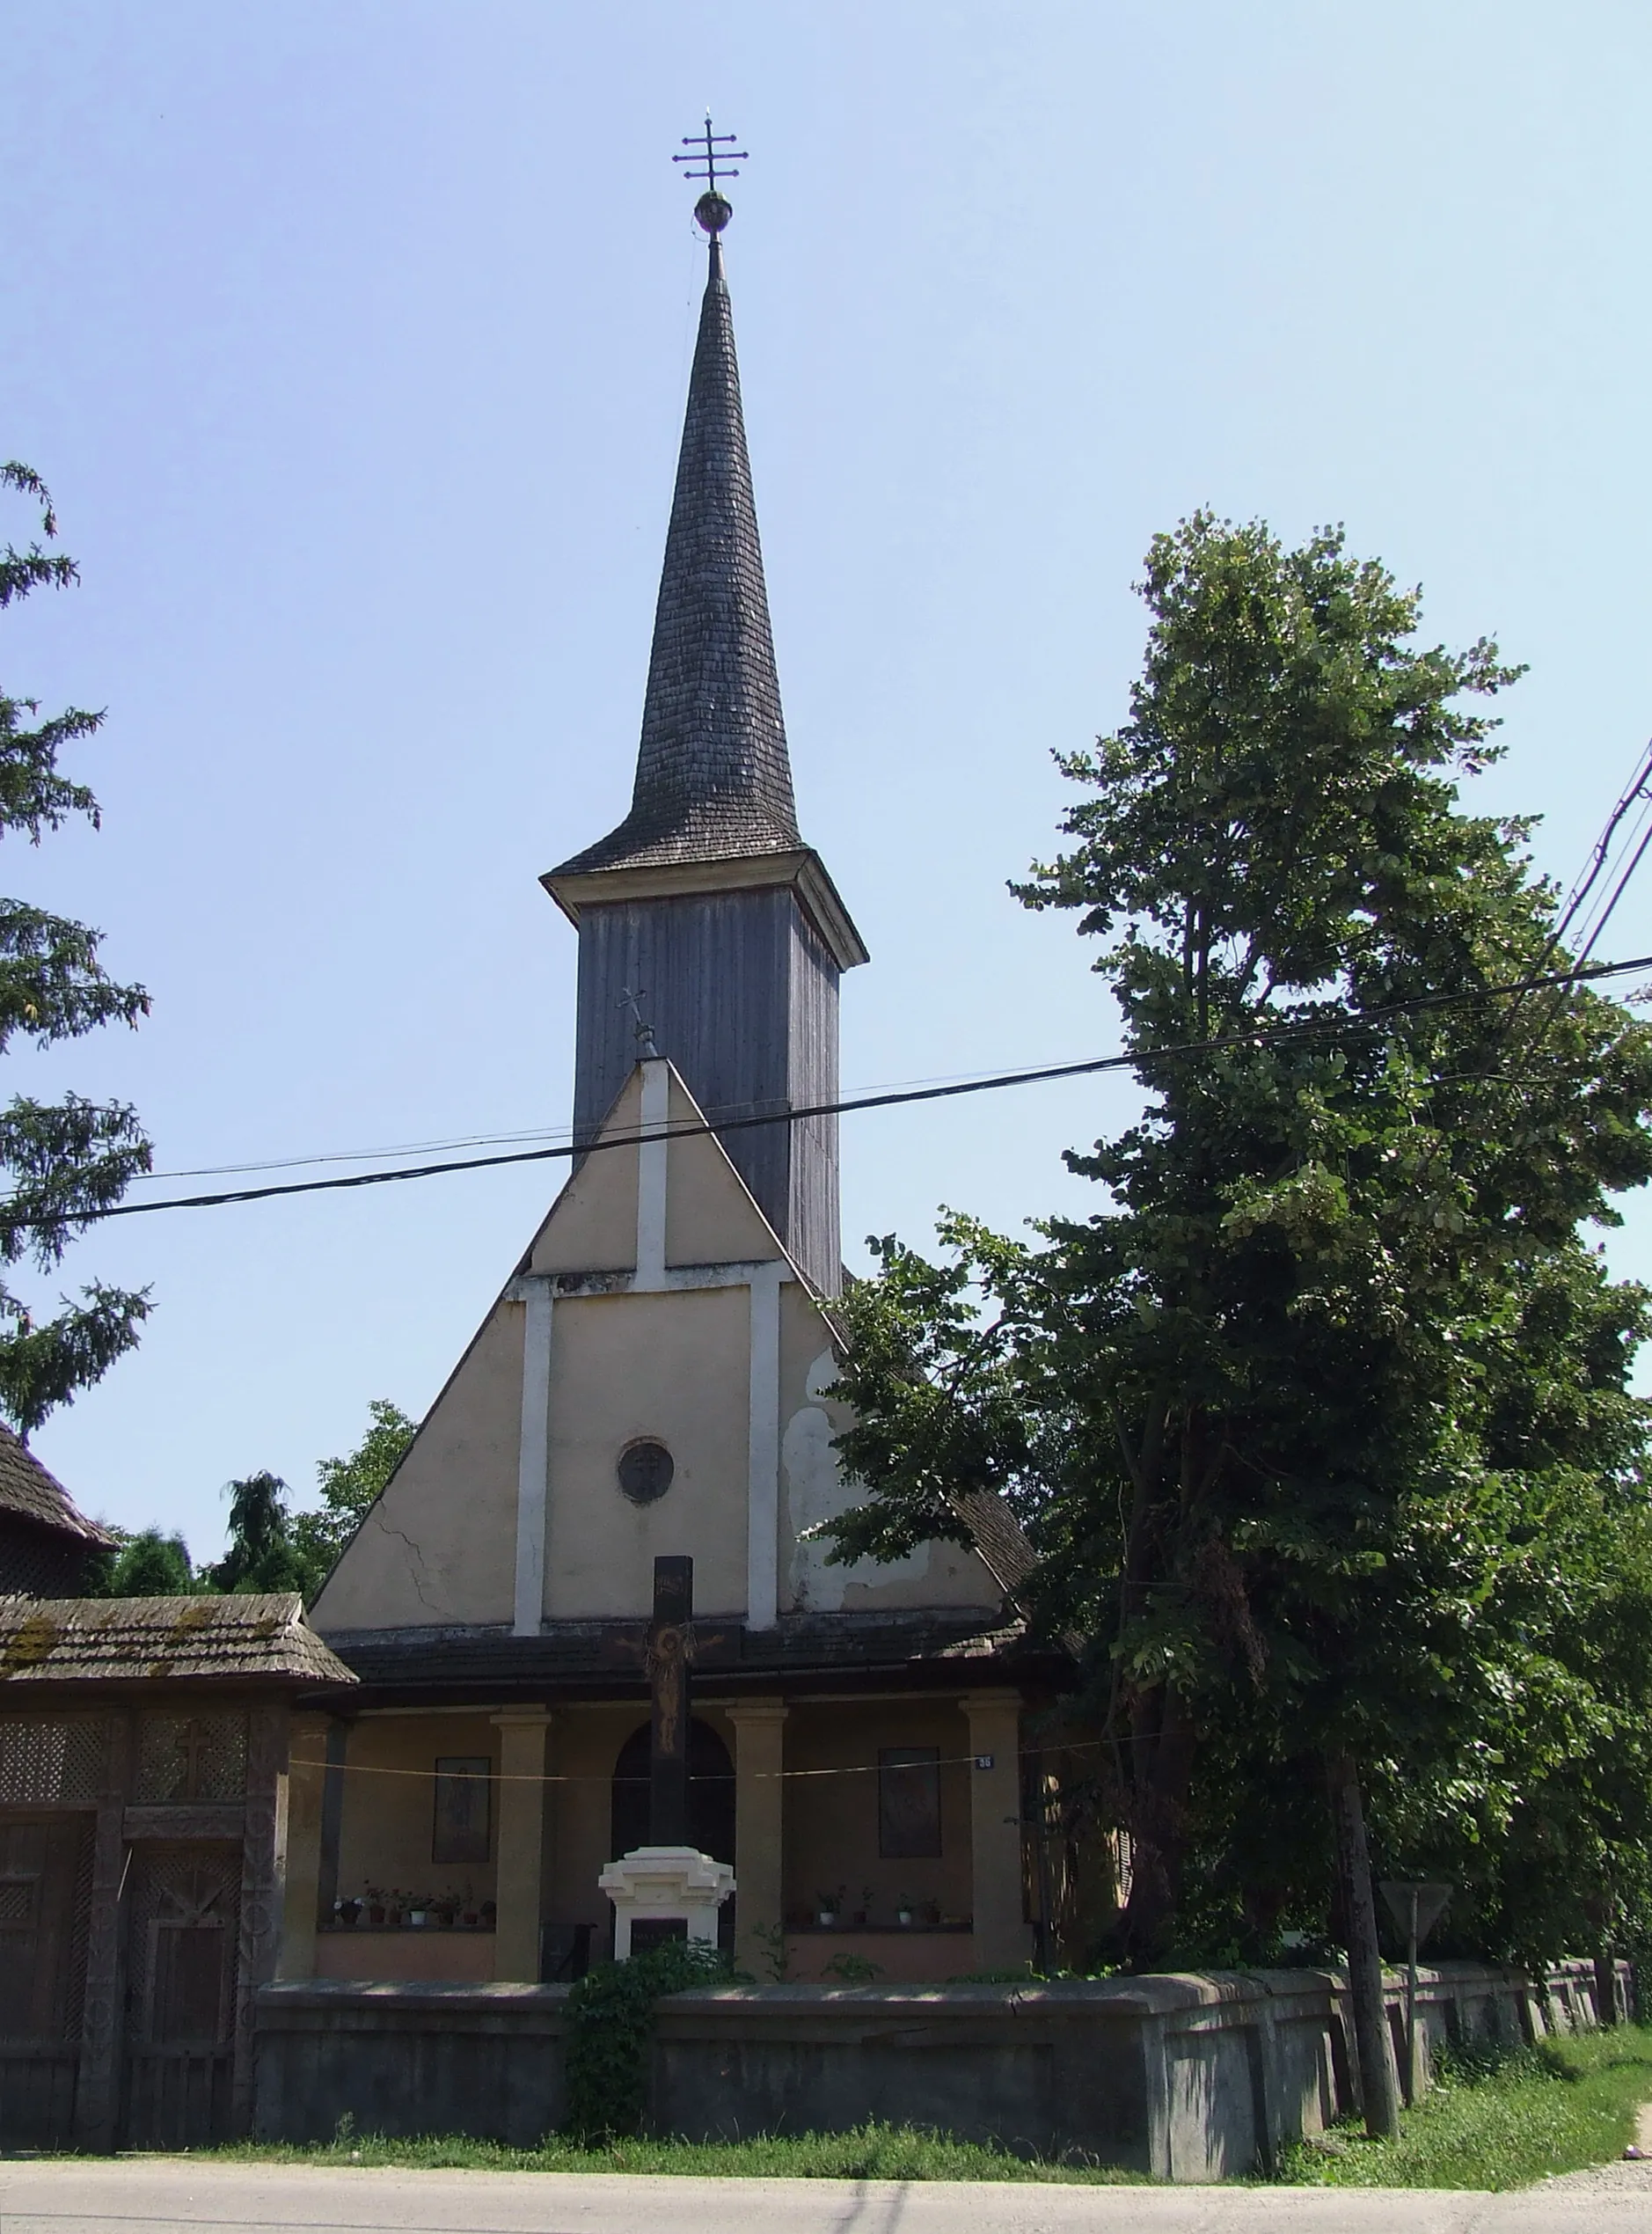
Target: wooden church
{"x":606,"y":1516}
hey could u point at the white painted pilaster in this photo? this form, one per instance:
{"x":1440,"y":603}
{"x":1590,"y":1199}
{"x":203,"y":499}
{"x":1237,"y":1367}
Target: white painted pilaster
{"x":534,"y":1460}
{"x":763,"y":1508}
{"x":651,"y":1176}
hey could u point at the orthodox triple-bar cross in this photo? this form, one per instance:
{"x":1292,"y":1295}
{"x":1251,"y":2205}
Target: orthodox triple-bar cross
{"x":705,"y":145}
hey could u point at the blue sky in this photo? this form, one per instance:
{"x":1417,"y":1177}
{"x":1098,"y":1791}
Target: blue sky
{"x":352,"y":338}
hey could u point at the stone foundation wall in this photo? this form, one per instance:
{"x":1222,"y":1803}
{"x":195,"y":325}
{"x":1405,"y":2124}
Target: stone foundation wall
{"x":1186,"y":2077}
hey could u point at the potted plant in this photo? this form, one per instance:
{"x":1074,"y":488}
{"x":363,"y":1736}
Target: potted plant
{"x":490,"y":1915}
{"x":828,"y":1908}
{"x":394,"y":1905}
{"x":445,"y":1907}
{"x":374,"y":1895}
{"x":417,"y":1909}
{"x":863,"y":1912}
{"x":904,"y":1907}
{"x":347,"y":1911}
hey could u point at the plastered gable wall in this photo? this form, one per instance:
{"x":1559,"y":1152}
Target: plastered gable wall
{"x":711,"y":1217}
{"x":439,"y":1545}
{"x":592,"y":1225}
{"x":813,"y":1488}
{"x":674,"y":1367}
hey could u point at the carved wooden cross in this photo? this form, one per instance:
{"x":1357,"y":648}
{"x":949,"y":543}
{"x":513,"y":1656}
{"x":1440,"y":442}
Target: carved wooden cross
{"x":671,"y":1651}
{"x":193,"y":1745}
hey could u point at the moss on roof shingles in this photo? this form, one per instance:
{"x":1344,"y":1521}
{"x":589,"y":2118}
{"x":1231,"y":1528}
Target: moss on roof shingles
{"x":261,"y":1637}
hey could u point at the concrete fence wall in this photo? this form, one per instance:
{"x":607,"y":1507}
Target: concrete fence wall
{"x":1185,"y":2077}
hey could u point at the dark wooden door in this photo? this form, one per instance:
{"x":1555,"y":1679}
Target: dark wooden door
{"x":45,"y":1903}
{"x":182,"y":1928}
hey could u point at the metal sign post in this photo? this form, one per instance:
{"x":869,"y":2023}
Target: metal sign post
{"x":1416,"y":1910}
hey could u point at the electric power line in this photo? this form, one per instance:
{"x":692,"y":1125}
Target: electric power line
{"x":1264,"y":1037}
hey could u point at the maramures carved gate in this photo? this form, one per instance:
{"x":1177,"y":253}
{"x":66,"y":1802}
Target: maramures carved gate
{"x":143,"y":1769}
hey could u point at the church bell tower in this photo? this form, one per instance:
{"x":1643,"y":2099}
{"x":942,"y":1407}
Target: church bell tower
{"x":705,"y":906}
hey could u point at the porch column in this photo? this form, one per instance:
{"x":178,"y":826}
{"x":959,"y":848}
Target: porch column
{"x":520,"y":1875}
{"x":759,"y":1829}
{"x":1003,"y":1939}
{"x":301,"y":1903}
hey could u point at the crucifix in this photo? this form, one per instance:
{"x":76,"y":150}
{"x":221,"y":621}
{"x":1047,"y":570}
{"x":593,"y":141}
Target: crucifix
{"x":667,"y":1890}
{"x":670,"y":1650}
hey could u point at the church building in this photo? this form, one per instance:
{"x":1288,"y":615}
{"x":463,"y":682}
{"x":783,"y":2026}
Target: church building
{"x":627,"y":1463}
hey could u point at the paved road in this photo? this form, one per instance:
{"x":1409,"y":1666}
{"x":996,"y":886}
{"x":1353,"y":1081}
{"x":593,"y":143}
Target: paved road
{"x":153,"y":2195}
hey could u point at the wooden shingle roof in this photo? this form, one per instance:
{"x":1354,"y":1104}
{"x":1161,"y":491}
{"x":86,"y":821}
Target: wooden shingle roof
{"x":263,"y":1636}
{"x":713,"y":778}
{"x":28,"y":1491}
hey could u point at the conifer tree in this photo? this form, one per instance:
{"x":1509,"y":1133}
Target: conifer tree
{"x":63,"y":1161}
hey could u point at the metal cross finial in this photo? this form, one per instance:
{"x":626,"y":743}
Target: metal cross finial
{"x":705,"y":145}
{"x":646,"y":1049}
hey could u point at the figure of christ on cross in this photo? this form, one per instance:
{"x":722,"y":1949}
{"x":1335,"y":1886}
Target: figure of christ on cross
{"x":669,"y":1653}
{"x":668,"y":1889}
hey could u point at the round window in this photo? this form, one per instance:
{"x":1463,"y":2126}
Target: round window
{"x":645,"y":1471}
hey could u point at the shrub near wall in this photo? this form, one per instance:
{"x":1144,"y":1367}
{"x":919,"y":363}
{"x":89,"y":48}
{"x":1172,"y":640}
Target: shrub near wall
{"x":610,"y":2015}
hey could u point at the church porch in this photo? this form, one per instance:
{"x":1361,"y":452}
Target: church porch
{"x":465,"y":1844}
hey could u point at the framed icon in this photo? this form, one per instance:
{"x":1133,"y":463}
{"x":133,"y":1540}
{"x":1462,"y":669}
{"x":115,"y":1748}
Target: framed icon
{"x":909,"y":1800}
{"x":463,"y":1826}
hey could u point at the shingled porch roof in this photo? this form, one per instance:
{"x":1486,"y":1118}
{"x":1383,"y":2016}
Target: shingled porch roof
{"x":262,"y":1638}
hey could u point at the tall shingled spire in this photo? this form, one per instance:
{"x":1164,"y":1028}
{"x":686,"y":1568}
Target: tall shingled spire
{"x":705,"y":915}
{"x":713,"y":779}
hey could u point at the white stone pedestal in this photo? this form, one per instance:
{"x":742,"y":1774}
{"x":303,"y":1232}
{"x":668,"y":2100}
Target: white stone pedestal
{"x":661,"y":1882}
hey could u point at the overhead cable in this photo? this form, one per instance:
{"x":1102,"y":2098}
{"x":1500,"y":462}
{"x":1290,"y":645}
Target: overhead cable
{"x":1290,"y":1034}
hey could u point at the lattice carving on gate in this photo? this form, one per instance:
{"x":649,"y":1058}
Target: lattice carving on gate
{"x":80,"y":1924}
{"x":183,"y":1889}
{"x":44,"y":1761}
{"x":191,"y":1756}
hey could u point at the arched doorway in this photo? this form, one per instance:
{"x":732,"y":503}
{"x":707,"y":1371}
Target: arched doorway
{"x":710,"y":1795}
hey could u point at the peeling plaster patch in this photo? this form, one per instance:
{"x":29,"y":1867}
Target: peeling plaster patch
{"x":816,"y":1491}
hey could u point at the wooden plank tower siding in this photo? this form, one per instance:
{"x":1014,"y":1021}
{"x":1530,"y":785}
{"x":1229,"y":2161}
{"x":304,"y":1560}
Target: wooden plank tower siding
{"x":705,"y":901}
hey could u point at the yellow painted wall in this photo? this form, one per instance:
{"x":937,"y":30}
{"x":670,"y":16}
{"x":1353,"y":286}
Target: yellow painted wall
{"x":831,"y":1822}
{"x":812,"y":1486}
{"x":711,"y":1216}
{"x":592,"y":1226}
{"x":390,"y":1803}
{"x":439,"y":1546}
{"x":674,"y":1366}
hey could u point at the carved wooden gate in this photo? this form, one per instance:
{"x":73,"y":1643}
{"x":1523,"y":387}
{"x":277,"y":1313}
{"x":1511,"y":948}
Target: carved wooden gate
{"x":182,"y":1931}
{"x":45,"y":1904}
{"x":139,"y":1914}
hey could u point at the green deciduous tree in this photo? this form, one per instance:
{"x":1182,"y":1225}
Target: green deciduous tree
{"x":349,"y":1486}
{"x":1321,"y":1421}
{"x":64,"y":1161}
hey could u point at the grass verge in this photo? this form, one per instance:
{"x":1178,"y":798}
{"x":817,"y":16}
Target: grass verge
{"x":1557,"y":2107}
{"x":873,"y":2151}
